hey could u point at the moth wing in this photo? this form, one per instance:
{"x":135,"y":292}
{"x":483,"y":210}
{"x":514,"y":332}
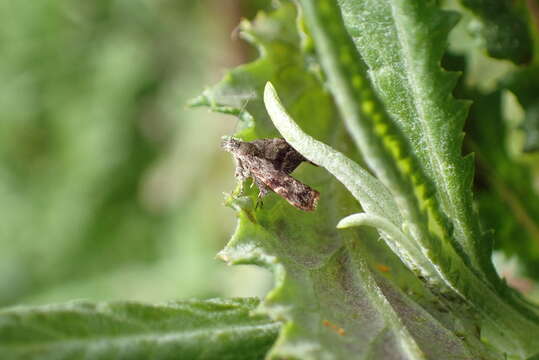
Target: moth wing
{"x":295,"y":192}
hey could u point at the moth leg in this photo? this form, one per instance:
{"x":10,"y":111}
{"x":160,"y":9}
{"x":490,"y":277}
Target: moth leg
{"x":241,"y":174}
{"x":261,"y":194}
{"x":240,"y":171}
{"x":263,"y":190}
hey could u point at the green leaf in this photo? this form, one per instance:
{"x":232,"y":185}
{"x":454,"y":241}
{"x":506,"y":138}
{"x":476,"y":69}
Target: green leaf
{"x":341,"y":307}
{"x":475,"y":293}
{"x":403,"y":50}
{"x":343,"y":293}
{"x":319,"y":279}
{"x":210,"y":329}
{"x":369,"y":191}
{"x":401,"y":165}
{"x":281,"y":61}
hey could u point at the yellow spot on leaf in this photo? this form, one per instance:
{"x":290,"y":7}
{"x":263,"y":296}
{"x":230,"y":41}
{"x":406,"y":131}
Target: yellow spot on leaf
{"x":337,"y":329}
{"x":383,"y":268}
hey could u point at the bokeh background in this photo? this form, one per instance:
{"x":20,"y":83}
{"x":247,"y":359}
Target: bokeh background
{"x":110,"y":187}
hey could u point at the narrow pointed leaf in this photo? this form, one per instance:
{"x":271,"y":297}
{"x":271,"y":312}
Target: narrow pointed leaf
{"x":403,"y":51}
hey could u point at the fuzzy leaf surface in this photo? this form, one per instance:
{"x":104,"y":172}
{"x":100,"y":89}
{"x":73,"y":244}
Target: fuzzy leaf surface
{"x":342,"y":293}
{"x":464,"y":262}
{"x":209,"y":329}
{"x":403,"y":50}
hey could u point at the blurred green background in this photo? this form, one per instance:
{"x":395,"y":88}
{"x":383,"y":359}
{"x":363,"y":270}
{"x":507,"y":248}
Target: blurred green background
{"x":110,"y":187}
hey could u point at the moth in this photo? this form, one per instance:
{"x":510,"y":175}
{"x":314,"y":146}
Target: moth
{"x":269,"y":162}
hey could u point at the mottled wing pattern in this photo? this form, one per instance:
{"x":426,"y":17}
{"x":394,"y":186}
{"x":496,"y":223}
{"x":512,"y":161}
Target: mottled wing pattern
{"x":283,"y":156}
{"x":270,"y":162}
{"x":295,"y":192}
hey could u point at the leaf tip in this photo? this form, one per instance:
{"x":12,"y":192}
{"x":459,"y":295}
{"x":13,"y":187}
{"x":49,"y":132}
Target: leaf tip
{"x":349,"y":221}
{"x":199,"y":101}
{"x":270,"y":94}
{"x":223,"y":256}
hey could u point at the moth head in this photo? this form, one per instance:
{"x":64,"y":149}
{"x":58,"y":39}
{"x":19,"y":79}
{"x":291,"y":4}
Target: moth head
{"x":236,"y":146}
{"x":229,"y":144}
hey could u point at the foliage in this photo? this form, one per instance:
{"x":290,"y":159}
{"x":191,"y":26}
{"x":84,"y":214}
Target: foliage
{"x":408,"y":129}
{"x":86,"y":330}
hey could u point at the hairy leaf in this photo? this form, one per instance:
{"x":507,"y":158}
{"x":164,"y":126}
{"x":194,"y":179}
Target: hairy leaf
{"x":341,"y":308}
{"x":398,"y":165}
{"x":403,"y":51}
{"x":405,"y":246}
{"x":336,"y":289}
{"x":372,"y":195}
{"x":210,"y":329}
{"x":342,"y":293}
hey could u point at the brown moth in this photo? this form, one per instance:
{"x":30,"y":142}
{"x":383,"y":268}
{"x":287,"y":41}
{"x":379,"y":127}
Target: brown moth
{"x":269,"y":162}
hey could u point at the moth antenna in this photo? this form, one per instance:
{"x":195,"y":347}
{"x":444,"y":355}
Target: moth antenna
{"x":240,"y":113}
